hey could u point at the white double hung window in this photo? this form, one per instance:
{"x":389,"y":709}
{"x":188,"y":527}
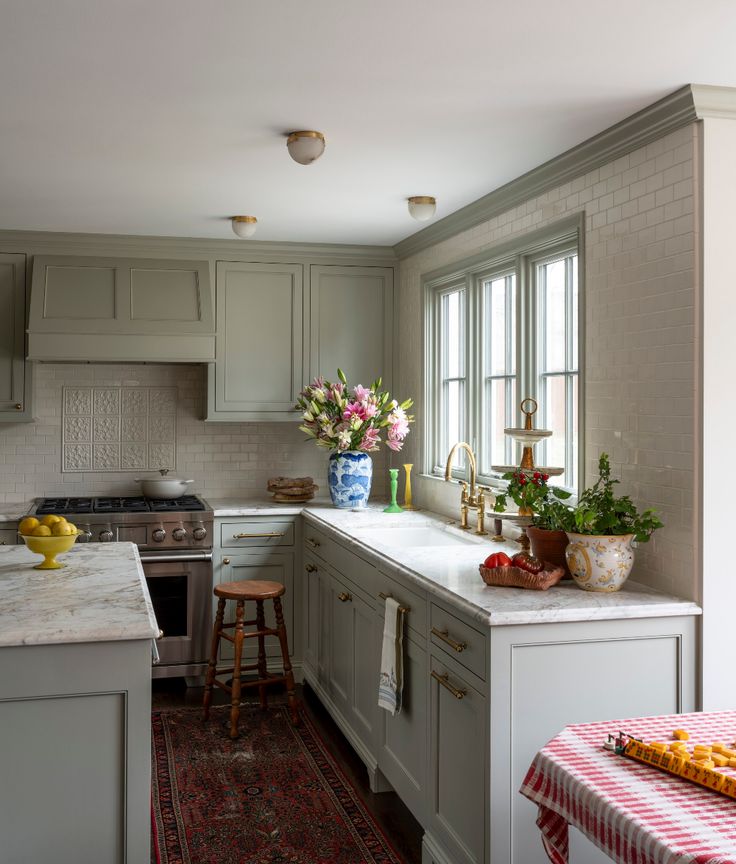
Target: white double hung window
{"x":496,"y":332}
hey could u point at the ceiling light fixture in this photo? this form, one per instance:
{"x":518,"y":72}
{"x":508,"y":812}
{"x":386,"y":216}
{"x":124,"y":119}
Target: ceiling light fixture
{"x":244,"y":226}
{"x":305,"y":146}
{"x":422,"y":207}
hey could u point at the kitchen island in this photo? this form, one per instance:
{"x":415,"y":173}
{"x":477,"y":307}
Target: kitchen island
{"x":75,"y":703}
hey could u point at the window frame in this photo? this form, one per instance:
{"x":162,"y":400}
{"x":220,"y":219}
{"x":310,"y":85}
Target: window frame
{"x":521,"y":257}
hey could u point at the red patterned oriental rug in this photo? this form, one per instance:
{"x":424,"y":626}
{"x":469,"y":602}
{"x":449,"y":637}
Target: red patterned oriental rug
{"x":273,"y":796}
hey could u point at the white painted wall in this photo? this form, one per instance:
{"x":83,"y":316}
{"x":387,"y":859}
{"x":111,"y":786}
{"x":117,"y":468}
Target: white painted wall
{"x":640,"y":347}
{"x":718,"y":407}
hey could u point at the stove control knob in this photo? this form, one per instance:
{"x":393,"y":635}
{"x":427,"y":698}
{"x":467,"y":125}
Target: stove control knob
{"x":199,"y":533}
{"x":106,"y":536}
{"x":179,"y":534}
{"x":86,"y":534}
{"x":158,"y":535}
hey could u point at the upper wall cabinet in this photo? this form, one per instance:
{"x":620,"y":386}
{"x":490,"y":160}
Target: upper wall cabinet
{"x":280,"y":325}
{"x":260,"y":363}
{"x":15,"y":373}
{"x":121,"y":309}
{"x":351,"y":323}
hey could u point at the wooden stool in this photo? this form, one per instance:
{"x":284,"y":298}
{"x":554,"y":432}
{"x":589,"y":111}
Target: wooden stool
{"x":241,"y":592}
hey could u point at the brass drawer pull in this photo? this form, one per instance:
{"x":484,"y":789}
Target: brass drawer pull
{"x":344,"y":596}
{"x":311,"y":542}
{"x":444,"y":680}
{"x":18,"y":407}
{"x":225,"y":560}
{"x":261,"y":534}
{"x":445,"y":637}
{"x":402,"y":609}
{"x":311,"y":568}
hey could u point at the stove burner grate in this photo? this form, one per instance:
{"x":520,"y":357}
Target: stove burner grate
{"x":111,"y":505}
{"x":64,"y":505}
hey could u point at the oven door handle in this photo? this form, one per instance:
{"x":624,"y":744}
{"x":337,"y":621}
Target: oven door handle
{"x":176,"y":558}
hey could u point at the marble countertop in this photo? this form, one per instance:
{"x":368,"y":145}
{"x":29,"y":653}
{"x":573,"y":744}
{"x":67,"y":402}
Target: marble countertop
{"x":262,"y":505}
{"x":99,"y":596}
{"x":14,"y":512}
{"x":450,"y":572}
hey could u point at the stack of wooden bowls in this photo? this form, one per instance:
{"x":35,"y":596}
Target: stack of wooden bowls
{"x":292,"y":490}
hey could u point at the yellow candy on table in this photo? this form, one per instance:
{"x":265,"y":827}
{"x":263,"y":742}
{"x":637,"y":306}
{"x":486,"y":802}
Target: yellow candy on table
{"x":732,"y":762}
{"x":658,"y":745}
{"x":719,"y":760}
{"x":681,"y":735}
{"x":676,"y":746}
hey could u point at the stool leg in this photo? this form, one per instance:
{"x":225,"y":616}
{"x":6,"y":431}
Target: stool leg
{"x":281,"y":627}
{"x":235,"y":701}
{"x":212,"y":667}
{"x":262,"y":669}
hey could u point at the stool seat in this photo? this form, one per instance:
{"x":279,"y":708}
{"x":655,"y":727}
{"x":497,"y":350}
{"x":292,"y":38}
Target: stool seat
{"x":253,"y":589}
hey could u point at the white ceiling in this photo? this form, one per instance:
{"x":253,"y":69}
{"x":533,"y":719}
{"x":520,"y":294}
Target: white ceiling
{"x":164,"y":117}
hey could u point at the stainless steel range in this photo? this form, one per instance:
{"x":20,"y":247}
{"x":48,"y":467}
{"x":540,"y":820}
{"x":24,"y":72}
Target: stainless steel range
{"x":174,"y":538}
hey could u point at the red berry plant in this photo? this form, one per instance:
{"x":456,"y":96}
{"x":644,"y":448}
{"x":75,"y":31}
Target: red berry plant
{"x":529,"y":491}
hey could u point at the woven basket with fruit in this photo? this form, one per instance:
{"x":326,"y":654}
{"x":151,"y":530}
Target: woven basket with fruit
{"x":521,"y":571}
{"x":49,"y":536}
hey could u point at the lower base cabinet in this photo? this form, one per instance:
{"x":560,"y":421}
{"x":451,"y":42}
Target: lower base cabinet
{"x":478,"y":702}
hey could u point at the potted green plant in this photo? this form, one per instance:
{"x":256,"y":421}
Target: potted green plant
{"x":534,"y":497}
{"x":601,"y":531}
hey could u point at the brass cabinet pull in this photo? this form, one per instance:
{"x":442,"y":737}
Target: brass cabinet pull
{"x":344,"y":596}
{"x":160,"y":634}
{"x":259,"y":534}
{"x":311,"y":542}
{"x":402,"y":609}
{"x":311,"y":568}
{"x":445,"y":637}
{"x":225,"y":560}
{"x":444,"y":680}
{"x":18,"y":406}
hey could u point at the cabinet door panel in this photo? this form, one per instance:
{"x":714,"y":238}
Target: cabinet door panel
{"x":458,"y":733}
{"x":340,"y":669}
{"x":351,"y":316}
{"x":269,"y":566}
{"x":366,"y":665}
{"x":14,"y":371}
{"x":403,"y":754}
{"x":259,"y":366}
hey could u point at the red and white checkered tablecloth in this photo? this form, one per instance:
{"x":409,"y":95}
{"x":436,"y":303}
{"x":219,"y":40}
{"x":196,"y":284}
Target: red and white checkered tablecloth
{"x":634,"y":813}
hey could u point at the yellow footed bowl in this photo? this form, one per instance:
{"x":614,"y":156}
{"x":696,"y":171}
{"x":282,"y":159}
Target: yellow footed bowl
{"x":50,"y":547}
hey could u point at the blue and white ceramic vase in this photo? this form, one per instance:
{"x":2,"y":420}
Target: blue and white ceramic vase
{"x":349,"y":478}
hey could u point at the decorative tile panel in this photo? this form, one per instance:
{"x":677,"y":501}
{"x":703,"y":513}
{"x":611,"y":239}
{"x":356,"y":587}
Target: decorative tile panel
{"x":118,"y":428}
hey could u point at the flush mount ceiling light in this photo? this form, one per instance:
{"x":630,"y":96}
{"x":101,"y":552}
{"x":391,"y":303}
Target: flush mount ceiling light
{"x":305,"y":146}
{"x":422,"y":207}
{"x":244,"y":226}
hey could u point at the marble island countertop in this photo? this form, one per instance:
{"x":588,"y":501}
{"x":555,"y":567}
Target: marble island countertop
{"x":445,"y":562}
{"x":99,"y":596}
{"x":262,"y":505}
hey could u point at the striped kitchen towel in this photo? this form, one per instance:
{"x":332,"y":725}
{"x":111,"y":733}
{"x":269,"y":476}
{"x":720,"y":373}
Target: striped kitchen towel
{"x":391,"y":679}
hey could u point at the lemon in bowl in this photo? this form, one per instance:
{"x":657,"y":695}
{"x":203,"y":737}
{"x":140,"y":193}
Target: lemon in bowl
{"x":48,"y":537}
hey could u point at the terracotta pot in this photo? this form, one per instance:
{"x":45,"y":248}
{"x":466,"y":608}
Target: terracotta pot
{"x":549,"y":546}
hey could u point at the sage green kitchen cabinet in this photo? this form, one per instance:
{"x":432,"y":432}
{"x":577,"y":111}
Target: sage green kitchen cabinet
{"x":271,"y":566}
{"x":351,"y":322}
{"x":9,"y":536}
{"x":260,"y":353}
{"x":316,"y":597}
{"x":15,"y":372}
{"x":86,"y":308}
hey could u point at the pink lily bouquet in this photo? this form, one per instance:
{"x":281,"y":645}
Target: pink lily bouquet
{"x":342,"y":419}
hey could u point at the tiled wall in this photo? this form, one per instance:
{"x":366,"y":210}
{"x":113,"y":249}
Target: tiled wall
{"x":223,"y":459}
{"x":640,"y":344}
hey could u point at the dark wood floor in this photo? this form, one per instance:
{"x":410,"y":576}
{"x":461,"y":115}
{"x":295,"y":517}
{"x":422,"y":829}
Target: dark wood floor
{"x":401,"y":828}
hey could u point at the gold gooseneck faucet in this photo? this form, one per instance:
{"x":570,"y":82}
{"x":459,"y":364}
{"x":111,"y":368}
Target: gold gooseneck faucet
{"x":469,"y":498}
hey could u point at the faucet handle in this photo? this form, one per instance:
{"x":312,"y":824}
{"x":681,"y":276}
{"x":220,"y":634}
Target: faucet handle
{"x":464,"y":494}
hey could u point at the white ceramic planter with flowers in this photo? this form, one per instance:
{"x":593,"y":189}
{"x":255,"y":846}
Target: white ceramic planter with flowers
{"x":349,"y":422}
{"x":600,"y":562}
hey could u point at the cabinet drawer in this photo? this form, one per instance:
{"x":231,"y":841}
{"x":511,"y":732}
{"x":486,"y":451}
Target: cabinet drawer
{"x":416,"y":616}
{"x":363,"y":575}
{"x":256,"y":532}
{"x":8,"y":536}
{"x":459,"y":640}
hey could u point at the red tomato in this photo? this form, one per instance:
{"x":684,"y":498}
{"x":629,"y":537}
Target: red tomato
{"x":528,"y":562}
{"x":497,"y":559}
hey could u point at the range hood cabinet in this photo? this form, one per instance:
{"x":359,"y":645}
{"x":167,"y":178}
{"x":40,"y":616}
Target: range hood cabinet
{"x":87,"y":309}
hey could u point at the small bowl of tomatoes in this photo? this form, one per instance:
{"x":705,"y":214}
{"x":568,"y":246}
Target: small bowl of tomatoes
{"x":519,"y":571}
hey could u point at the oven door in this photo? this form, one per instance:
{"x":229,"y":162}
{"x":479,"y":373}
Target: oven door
{"x":180,"y":585}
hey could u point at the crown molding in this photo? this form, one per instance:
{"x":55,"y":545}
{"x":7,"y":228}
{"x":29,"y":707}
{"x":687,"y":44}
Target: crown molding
{"x":52,"y":242}
{"x":664,"y":116}
{"x":713,"y":101}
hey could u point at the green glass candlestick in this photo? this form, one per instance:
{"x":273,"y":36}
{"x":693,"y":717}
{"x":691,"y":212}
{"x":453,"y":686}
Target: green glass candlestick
{"x":393,"y":507}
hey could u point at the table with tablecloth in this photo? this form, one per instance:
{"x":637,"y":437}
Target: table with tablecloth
{"x":635,"y":813}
